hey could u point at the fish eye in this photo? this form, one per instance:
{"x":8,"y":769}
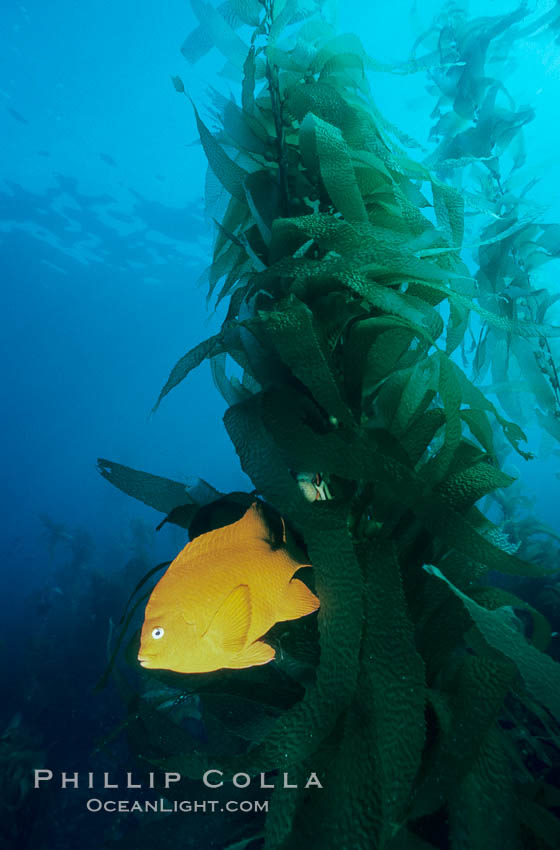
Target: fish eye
{"x":157,"y":633}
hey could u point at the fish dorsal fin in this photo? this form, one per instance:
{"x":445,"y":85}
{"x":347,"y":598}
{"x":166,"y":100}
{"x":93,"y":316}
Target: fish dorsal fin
{"x":253,"y":524}
{"x":230,"y":624}
{"x":250,"y":528}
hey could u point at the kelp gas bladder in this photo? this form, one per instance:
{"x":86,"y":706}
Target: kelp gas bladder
{"x":346,"y":304}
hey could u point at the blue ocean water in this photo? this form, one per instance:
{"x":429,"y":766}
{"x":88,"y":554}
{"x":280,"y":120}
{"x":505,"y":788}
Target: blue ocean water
{"x":102,"y":240}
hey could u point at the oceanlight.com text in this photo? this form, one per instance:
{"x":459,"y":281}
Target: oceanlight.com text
{"x":94,"y":804}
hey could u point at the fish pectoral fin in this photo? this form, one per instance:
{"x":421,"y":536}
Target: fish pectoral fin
{"x":230,"y":624}
{"x":256,"y":653}
{"x":297,"y":602}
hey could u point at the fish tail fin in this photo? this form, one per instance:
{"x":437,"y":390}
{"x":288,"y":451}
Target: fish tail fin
{"x":298,"y":601}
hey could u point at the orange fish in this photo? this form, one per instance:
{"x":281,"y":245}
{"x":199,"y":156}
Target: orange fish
{"x":222,"y":592}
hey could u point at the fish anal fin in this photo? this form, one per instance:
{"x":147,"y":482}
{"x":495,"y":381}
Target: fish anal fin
{"x":298,"y":601}
{"x":256,"y":653}
{"x":230,"y":624}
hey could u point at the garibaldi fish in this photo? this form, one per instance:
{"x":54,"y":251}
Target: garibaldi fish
{"x":222,"y":593}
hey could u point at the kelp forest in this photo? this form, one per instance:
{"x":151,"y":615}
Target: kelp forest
{"x":388,"y":332}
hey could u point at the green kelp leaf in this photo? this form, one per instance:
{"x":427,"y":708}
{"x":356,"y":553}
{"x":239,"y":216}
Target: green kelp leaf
{"x":315,"y":30}
{"x":348,"y":70}
{"x":417,"y":392}
{"x":190,"y":361}
{"x":370,"y":354}
{"x":482,"y":807}
{"x":427,"y":323}
{"x":222,"y":36}
{"x":315,"y":277}
{"x":178,"y":84}
{"x":234,"y":219}
{"x":461,"y":490}
{"x":391,"y":694}
{"x":263,"y":197}
{"x":402,"y":216}
{"x":230,"y":389}
{"x":336,"y":168}
{"x":163,"y":494}
{"x":255,"y":359}
{"x":456,"y":327}
{"x":232,"y":257}
{"x":246,"y":11}
{"x":368,"y":781}
{"x":235,"y":283}
{"x":336,"y":310}
{"x":240,"y":130}
{"x":325,"y":102}
{"x":418,"y":438}
{"x":228,"y":172}
{"x":248,"y":85}
{"x":382,"y":253}
{"x":550,"y":239}
{"x":387,"y":397}
{"x":342,"y":44}
{"x":283,"y":806}
{"x":365,"y":161}
{"x":363,"y":457}
{"x":496,"y":597}
{"x":480,"y":428}
{"x":194,"y":47}
{"x":389,"y":259}
{"x":287,"y":12}
{"x":539,"y":672}
{"x":385,"y":346}
{"x":200,"y":41}
{"x":521,"y":328}
{"x":373,"y":186}
{"x":449,"y":208}
{"x":285,"y":60}
{"x":476,"y":400}
{"x":290,"y":234}
{"x":450,"y":393}
{"x":294,"y":333}
{"x":442,"y":624}
{"x":524,"y":352}
{"x":473,"y":706}
{"x":467,"y":455}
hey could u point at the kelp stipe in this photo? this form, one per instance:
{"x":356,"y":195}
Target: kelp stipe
{"x":336,"y":282}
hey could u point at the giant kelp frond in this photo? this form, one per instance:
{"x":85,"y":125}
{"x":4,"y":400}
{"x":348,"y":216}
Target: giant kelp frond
{"x":478,"y":131}
{"x":179,"y":501}
{"x":340,"y":258}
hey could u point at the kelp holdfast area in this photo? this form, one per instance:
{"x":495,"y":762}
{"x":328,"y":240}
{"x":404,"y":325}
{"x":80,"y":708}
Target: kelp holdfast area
{"x":424,"y":699}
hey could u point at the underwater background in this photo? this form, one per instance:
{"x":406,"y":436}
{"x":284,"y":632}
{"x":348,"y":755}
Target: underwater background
{"x":104,"y":242}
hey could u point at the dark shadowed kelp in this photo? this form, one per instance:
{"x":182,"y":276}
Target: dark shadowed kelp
{"x":346,"y":304}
